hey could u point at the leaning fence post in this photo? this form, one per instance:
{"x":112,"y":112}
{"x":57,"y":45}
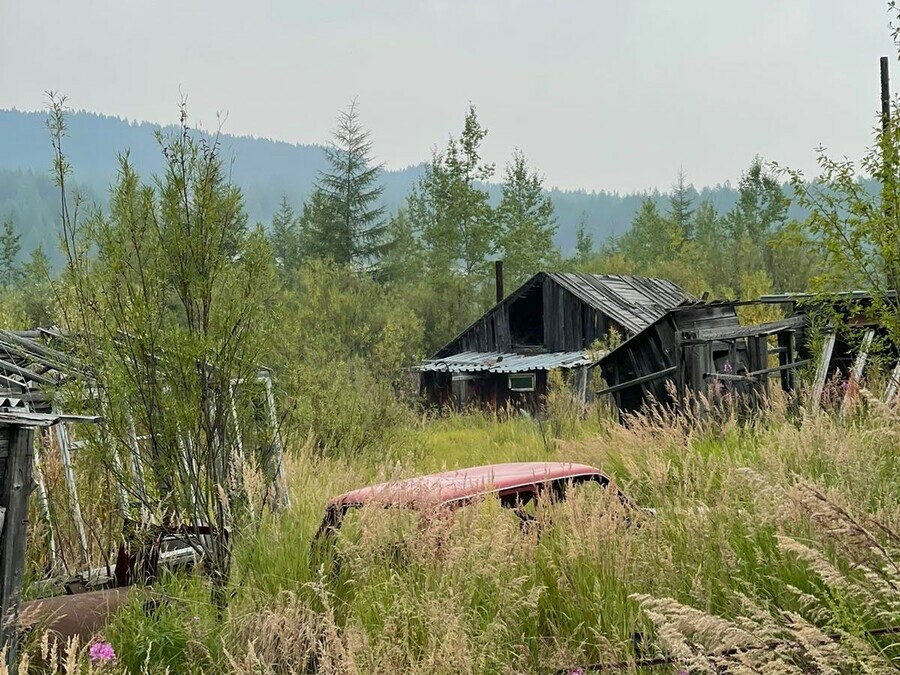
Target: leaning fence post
{"x":282,"y":497}
{"x":822,"y":371}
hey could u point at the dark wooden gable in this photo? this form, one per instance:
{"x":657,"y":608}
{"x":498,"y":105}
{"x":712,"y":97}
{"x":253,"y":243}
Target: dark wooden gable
{"x":540,"y":315}
{"x":490,"y":332}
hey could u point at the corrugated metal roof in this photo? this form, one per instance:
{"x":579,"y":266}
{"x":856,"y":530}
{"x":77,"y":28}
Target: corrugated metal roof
{"x":633,"y":302}
{"x":498,"y":362}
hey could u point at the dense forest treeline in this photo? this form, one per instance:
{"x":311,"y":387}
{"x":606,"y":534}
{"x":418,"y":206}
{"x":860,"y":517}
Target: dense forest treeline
{"x":361,"y":269}
{"x":266,"y":171}
{"x":426,"y":236}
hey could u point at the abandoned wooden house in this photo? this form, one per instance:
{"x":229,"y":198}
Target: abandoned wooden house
{"x":702,"y":350}
{"x":553,"y":321}
{"x":697,"y":349}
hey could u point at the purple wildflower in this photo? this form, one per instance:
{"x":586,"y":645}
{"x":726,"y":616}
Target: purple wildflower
{"x":102,"y":653}
{"x":577,"y":671}
{"x":726,"y":368}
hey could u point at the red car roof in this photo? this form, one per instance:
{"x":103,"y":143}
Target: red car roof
{"x":449,"y":486}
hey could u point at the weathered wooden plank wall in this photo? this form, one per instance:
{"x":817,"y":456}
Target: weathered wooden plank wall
{"x":660,"y":347}
{"x":490,"y":333}
{"x":15,"y":486}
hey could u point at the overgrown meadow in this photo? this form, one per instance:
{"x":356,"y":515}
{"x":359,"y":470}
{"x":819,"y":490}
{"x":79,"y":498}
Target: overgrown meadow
{"x":772,"y":545}
{"x":773,"y":548}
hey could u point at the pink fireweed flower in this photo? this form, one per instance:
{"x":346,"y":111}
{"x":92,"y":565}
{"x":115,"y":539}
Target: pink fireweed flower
{"x":726,"y":368}
{"x":102,"y":653}
{"x":577,"y":671}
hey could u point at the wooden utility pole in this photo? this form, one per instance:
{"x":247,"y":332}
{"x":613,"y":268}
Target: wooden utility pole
{"x":887,"y":150}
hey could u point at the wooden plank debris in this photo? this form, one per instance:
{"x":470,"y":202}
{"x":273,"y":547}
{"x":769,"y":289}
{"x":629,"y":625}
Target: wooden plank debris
{"x":637,"y":381}
{"x":893,"y":386}
{"x":31,"y":419}
{"x":859,"y":365}
{"x":62,"y":440}
{"x":736,"y":332}
{"x":822,"y":370}
{"x":44,"y":502}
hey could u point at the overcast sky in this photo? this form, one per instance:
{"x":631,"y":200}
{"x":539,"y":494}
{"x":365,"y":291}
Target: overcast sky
{"x":599,"y":94}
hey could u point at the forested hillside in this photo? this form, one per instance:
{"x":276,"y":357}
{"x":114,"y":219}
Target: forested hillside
{"x":266,"y":170}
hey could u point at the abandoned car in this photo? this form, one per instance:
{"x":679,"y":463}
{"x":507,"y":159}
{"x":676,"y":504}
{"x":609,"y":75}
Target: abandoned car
{"x":515,"y":484}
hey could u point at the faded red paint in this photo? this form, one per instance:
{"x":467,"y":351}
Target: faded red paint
{"x":464,"y":484}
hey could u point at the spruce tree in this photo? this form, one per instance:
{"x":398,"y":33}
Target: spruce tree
{"x":37,"y":293}
{"x":348,"y":225}
{"x":527,"y":223}
{"x":681,"y":207}
{"x":648,"y":242}
{"x":9,"y":250}
{"x":285,"y":237}
{"x":317,"y":237}
{"x":711,"y":245}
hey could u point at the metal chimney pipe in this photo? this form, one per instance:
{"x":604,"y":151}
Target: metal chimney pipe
{"x":885,"y":94}
{"x":498,"y":276}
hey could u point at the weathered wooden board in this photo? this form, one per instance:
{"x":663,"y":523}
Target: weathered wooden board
{"x":14,"y":491}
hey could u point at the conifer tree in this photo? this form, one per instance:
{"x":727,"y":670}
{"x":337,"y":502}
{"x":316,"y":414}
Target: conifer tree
{"x":681,"y":207}
{"x":649,"y":239}
{"x":37,"y":295}
{"x":285,"y":237}
{"x":317,"y":238}
{"x":9,"y":250}
{"x":346,"y":222}
{"x":527,"y":223}
{"x":712,"y":246}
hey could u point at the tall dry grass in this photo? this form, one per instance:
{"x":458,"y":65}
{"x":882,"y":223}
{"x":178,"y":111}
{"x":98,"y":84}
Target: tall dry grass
{"x":773,"y":549}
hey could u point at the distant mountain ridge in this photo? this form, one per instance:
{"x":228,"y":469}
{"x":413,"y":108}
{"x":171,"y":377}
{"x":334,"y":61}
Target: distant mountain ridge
{"x":264,"y":169}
